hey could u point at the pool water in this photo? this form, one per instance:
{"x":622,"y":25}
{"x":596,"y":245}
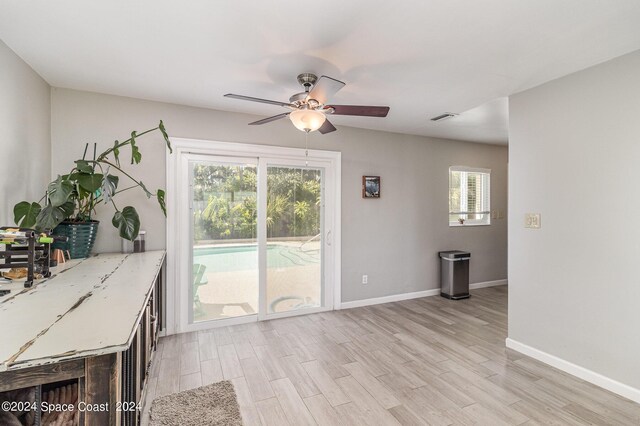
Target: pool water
{"x":245,"y":257}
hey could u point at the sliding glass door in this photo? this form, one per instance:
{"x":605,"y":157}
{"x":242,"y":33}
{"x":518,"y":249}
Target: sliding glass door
{"x":260,"y":234}
{"x":224,"y":248}
{"x":295,"y":208}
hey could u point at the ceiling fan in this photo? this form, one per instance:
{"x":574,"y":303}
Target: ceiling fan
{"x":309,"y":109}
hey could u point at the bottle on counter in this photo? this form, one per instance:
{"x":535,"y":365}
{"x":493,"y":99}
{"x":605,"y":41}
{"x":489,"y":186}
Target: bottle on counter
{"x":127,"y":246}
{"x":139,"y":243}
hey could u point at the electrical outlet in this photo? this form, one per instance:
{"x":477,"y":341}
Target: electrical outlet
{"x":532,"y":220}
{"x":500,"y":214}
{"x":365,"y":279}
{"x":494,"y":214}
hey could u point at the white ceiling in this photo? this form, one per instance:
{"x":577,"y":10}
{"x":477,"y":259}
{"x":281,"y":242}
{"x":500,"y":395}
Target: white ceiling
{"x":420,"y":57}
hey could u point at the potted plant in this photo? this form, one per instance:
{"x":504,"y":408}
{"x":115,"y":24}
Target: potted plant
{"x":71,"y":199}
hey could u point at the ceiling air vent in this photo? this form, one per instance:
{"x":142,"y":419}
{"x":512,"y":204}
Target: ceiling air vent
{"x":445,"y":116}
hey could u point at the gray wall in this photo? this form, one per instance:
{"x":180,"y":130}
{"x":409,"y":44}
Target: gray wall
{"x":574,"y":157}
{"x":394,"y":239}
{"x":25,"y":133}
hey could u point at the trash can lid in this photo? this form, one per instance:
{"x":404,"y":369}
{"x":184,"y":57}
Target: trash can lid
{"x":454,"y":254}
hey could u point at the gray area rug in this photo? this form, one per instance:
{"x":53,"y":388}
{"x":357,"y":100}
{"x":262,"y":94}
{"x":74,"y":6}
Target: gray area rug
{"x":214,"y":404}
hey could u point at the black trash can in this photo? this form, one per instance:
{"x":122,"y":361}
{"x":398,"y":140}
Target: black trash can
{"x":454,"y":274}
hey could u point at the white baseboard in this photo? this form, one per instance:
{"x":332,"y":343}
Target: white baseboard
{"x":387,"y":299}
{"x":488,"y":284}
{"x":414,"y":295}
{"x":576,"y":370}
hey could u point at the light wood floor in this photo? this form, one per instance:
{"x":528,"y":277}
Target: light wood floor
{"x":422,"y":361}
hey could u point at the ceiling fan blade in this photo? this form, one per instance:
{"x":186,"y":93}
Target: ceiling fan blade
{"x":360,"y":110}
{"x":327,"y":127}
{"x":269,"y":119}
{"x":252,"y":99}
{"x":325,"y":88}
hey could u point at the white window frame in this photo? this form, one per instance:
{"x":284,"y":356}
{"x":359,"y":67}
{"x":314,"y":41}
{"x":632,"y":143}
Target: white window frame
{"x":463,"y":198}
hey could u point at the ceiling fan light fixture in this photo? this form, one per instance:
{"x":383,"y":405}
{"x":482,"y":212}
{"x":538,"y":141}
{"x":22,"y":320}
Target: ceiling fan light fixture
{"x":307,"y":120}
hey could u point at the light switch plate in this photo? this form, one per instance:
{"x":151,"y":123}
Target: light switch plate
{"x":532,"y":220}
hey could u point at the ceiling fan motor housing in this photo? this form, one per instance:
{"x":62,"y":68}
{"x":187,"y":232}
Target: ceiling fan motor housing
{"x":298,"y":98}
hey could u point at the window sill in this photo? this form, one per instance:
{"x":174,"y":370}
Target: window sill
{"x":458,"y":225}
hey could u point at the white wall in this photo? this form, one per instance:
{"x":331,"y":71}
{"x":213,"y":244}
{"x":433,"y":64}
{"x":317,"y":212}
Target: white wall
{"x":574,"y":157}
{"x":394,"y":239}
{"x":25,"y":133}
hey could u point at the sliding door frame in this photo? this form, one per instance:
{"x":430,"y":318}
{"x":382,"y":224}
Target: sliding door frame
{"x":177,"y":240}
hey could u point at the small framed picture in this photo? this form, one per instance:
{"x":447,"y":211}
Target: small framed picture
{"x":370,"y":186}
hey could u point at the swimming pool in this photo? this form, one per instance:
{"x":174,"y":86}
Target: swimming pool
{"x":245,"y":257}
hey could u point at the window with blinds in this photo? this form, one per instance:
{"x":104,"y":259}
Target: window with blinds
{"x":469,"y":196}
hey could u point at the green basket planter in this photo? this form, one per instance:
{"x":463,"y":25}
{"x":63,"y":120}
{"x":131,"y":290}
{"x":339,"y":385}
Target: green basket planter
{"x":82,"y":236}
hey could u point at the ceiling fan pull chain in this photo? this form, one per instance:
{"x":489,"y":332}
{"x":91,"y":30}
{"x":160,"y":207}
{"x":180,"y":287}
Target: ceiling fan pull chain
{"x":306,"y":148}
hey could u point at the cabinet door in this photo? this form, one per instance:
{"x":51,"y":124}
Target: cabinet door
{"x":148,"y":340}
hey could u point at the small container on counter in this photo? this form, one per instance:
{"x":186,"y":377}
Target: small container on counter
{"x":127,"y":246}
{"x":139,"y":245}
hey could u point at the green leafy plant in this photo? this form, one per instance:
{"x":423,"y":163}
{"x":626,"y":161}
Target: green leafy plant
{"x":75,"y":196}
{"x":225,"y":202}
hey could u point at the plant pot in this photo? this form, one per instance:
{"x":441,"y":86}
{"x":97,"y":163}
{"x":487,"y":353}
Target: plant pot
{"x":82,"y":236}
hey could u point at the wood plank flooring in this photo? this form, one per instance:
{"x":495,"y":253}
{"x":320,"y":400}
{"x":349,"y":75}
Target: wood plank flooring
{"x":416,"y":362}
